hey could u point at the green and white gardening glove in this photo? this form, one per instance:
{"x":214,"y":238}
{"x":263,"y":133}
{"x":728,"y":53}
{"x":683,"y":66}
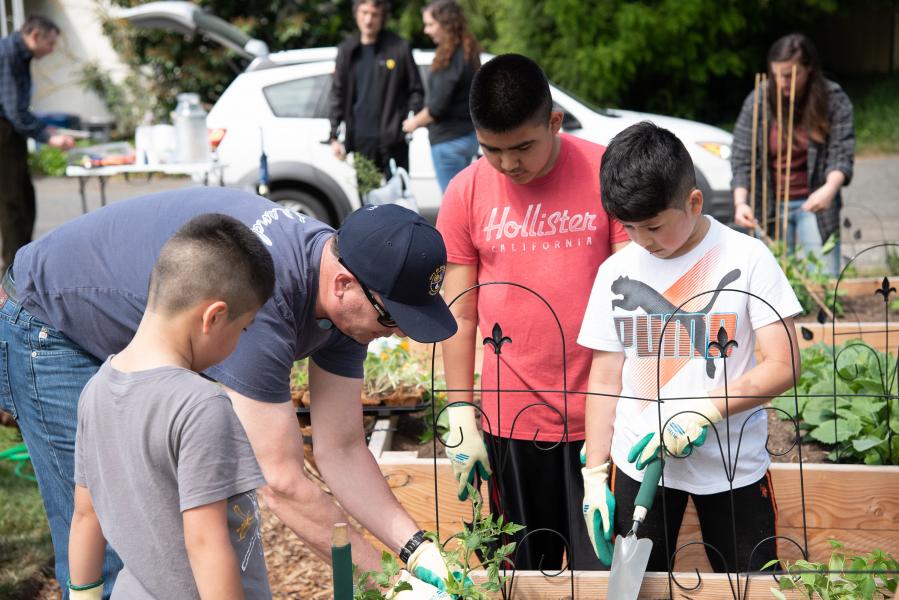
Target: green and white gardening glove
{"x":599,"y":511}
{"x":465,"y":448}
{"x":428,"y":564}
{"x":686,"y":426}
{"x":420,"y":590}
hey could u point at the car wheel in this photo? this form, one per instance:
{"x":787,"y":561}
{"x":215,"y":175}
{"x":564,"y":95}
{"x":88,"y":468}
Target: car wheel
{"x":303,"y":203}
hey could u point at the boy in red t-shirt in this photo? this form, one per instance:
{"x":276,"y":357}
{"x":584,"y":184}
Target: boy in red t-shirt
{"x":528,"y":213}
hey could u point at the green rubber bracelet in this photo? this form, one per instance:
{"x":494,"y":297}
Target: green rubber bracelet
{"x":81,"y":588}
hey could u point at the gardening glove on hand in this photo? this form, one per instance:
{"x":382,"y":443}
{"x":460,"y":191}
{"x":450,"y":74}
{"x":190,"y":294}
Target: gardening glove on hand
{"x":686,"y":425}
{"x":420,"y":590}
{"x":467,"y":453}
{"x":428,"y":564}
{"x":599,"y":511}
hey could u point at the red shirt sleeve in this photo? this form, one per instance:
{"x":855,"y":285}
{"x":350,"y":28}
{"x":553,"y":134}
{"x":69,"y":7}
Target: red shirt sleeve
{"x":617,"y":234}
{"x":454,"y":220}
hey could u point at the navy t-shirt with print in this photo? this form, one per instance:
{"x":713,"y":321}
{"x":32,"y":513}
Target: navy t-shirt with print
{"x":88,"y":278}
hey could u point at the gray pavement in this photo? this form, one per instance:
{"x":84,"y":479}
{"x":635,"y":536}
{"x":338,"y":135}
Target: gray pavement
{"x":871,"y":202}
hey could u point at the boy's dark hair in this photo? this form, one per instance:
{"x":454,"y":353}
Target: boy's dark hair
{"x":644,"y":170}
{"x":212,"y":256}
{"x":384,"y":5}
{"x":41,"y":23}
{"x":508,"y":92}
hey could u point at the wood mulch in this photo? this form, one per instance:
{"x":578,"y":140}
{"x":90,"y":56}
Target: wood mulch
{"x":294,"y":571}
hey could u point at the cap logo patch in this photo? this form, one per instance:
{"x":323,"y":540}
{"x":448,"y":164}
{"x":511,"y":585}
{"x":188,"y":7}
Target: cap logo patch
{"x":437,"y":280}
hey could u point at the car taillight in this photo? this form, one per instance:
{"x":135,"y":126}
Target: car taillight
{"x":215,"y":137}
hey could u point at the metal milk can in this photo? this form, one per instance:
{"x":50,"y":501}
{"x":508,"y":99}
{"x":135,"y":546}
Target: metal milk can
{"x":192,"y":139}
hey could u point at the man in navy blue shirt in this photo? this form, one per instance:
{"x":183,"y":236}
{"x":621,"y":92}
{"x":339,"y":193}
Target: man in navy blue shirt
{"x":77,"y":294}
{"x":36,"y":39}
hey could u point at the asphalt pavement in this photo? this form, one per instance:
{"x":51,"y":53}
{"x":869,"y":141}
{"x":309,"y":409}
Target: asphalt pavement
{"x":871,"y":202}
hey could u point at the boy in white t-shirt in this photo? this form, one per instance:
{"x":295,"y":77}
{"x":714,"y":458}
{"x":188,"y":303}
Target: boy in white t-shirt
{"x":659,"y":314}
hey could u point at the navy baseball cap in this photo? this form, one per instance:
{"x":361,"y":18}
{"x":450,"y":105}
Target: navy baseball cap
{"x":395,"y":252}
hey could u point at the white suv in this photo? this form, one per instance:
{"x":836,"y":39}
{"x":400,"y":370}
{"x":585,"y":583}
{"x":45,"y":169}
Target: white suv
{"x":280,"y":102}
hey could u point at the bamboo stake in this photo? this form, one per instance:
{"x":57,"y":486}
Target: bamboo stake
{"x":342,"y":562}
{"x":777,"y":178}
{"x":764,"y":109}
{"x":786,"y":208}
{"x":755,"y":127}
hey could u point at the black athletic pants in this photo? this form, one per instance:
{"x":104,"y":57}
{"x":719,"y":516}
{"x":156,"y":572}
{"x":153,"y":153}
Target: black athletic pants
{"x":539,"y":485}
{"x":752,"y":520}
{"x":17,"y":209}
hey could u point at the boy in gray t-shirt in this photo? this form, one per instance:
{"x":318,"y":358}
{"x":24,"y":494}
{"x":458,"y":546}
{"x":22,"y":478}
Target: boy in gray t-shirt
{"x":162,"y":465}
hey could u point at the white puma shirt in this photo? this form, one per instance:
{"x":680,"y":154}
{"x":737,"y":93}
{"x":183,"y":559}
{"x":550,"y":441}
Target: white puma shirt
{"x":633,"y":296}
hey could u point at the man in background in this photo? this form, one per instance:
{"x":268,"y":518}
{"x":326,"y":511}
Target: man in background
{"x":375,"y":86}
{"x":36,"y":39}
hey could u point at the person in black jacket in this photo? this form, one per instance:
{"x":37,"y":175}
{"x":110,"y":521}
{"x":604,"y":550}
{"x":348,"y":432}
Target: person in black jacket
{"x":453,"y":141}
{"x":375,"y":85}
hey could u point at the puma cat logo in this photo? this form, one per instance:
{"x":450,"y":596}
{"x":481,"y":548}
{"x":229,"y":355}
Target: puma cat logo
{"x":636,"y":294}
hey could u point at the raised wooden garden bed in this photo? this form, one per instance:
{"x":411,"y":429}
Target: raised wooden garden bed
{"x":856,"y":504}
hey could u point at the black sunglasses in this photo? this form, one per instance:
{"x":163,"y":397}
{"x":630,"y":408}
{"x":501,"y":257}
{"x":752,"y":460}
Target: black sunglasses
{"x":384,"y":317}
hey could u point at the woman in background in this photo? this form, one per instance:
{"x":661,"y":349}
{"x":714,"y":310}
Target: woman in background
{"x":822,"y":155}
{"x":452,"y":137}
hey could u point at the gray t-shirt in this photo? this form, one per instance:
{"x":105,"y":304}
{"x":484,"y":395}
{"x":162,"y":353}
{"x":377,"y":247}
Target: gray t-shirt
{"x":88,"y":278}
{"x":150,"y":445}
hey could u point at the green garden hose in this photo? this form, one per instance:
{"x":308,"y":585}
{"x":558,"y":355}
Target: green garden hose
{"x":19,"y":455}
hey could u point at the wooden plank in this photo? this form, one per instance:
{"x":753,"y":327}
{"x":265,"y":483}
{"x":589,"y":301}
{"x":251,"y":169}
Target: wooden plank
{"x":838,"y":496}
{"x":532,"y":585}
{"x":855,"y":504}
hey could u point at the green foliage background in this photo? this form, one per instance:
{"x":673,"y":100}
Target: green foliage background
{"x":692,"y":58}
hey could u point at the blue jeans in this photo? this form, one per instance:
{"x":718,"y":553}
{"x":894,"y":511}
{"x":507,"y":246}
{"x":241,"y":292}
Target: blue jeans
{"x":804,"y":226}
{"x":42,"y":373}
{"x":452,"y":156}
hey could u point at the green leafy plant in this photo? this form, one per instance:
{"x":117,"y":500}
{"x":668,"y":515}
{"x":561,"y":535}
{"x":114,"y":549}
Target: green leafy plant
{"x":477,"y":546}
{"x":371,"y":585}
{"x":865,"y":426}
{"x":842,"y":577}
{"x":806,"y":270}
{"x":368,"y":175}
{"x":892,"y":260}
{"x":49,"y":161}
{"x":395,"y":368}
{"x":478,"y":542}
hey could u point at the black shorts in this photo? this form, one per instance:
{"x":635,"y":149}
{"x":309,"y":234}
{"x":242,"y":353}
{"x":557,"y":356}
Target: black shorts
{"x":742,"y":531}
{"x":539,"y":485}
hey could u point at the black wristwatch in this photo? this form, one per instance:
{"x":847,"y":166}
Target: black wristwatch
{"x":414,"y":542}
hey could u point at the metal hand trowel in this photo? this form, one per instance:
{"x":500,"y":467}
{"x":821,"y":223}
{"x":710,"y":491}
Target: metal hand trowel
{"x":631,"y":555}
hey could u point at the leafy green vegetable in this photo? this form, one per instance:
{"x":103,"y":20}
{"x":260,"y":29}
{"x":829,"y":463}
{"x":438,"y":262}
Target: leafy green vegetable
{"x":801,"y":268}
{"x":477,"y":546}
{"x":872,"y":575}
{"x":852,"y":408}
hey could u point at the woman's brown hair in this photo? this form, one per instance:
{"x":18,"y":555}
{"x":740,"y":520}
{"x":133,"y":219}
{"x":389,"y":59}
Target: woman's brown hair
{"x":452,"y":19}
{"x":811,"y":105}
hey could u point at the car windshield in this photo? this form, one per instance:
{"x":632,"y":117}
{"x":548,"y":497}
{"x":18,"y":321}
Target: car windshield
{"x":597,"y":109}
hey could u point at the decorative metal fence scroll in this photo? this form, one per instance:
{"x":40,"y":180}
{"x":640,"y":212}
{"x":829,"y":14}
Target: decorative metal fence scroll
{"x":717,"y":345}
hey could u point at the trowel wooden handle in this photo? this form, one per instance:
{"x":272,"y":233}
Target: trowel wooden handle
{"x":651,"y":477}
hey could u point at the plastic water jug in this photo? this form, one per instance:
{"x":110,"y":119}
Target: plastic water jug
{"x":192,"y":140}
